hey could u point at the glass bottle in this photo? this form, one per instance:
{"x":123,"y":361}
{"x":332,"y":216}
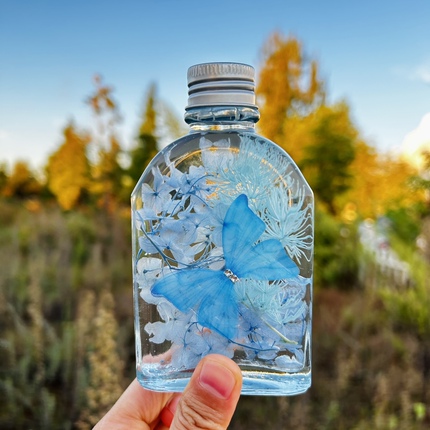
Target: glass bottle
{"x":222,"y":226}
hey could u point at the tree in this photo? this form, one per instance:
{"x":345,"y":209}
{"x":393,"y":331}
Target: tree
{"x":170,"y":127}
{"x":421,"y":181}
{"x":68,"y":168}
{"x":21,"y":183}
{"x":147,"y":141}
{"x":3,"y":177}
{"x":149,"y":123}
{"x":108,"y":174}
{"x":107,"y":170}
{"x":328,"y":157}
{"x":380,"y":183}
{"x":160,"y":125}
{"x":288,"y":85}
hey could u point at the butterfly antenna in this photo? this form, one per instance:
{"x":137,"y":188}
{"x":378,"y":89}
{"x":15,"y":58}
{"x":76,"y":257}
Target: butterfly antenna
{"x":254,"y":348}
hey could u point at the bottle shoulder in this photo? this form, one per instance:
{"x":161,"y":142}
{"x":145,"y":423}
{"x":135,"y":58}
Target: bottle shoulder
{"x":227,"y":149}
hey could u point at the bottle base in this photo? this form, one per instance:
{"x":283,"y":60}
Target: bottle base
{"x":254,"y":383}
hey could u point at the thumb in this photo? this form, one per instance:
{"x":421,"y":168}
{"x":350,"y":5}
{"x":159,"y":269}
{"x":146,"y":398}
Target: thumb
{"x":211,"y":396}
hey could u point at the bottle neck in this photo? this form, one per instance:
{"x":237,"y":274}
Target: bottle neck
{"x":222,"y":118}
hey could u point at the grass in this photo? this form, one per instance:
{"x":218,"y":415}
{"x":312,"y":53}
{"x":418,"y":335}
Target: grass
{"x":371,"y":354}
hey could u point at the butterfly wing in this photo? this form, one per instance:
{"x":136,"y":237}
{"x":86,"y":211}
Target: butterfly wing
{"x":185,"y":288}
{"x":241,"y":229}
{"x":264,"y":261}
{"x":219,"y":311}
{"x":268,"y":261}
{"x":209,"y":292}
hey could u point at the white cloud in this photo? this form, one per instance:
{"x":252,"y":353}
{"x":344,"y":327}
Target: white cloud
{"x":422,"y":73}
{"x":417,"y":141}
{"x":417,"y":73}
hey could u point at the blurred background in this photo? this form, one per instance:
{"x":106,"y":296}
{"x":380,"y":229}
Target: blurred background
{"x":90,"y":91}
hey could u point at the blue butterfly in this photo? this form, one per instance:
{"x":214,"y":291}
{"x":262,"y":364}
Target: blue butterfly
{"x":211,"y":292}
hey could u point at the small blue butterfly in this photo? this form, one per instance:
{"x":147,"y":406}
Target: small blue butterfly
{"x":211,"y":292}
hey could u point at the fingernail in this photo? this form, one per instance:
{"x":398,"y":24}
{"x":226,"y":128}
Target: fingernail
{"x":217,"y":379}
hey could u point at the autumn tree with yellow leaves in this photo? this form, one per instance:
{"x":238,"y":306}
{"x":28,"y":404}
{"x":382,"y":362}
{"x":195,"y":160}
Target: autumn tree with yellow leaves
{"x":21,"y":182}
{"x":289,"y":85}
{"x":380,"y":183}
{"x":68,"y":168}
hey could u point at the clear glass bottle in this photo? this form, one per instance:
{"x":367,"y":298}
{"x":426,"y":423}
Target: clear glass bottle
{"x":222,"y":224}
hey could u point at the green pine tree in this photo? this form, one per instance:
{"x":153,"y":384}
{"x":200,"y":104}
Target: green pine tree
{"x":328,"y":157}
{"x":147,"y":140}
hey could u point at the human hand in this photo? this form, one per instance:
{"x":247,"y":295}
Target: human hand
{"x":208,"y":401}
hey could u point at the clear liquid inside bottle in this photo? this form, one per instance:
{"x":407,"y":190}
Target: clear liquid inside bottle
{"x":222,"y":225}
{"x":179,"y":211}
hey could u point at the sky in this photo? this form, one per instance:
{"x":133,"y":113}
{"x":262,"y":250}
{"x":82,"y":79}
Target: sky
{"x":375,"y":55}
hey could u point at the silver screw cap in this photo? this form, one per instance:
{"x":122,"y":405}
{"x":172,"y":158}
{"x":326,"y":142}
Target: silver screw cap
{"x":221,"y":84}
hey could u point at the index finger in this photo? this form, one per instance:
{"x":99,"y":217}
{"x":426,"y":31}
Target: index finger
{"x":136,"y":409}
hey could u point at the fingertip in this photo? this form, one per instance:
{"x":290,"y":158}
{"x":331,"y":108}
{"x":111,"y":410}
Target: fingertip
{"x":211,"y":397}
{"x":219,"y":376}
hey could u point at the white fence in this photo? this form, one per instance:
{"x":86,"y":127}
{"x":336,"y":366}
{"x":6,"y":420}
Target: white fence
{"x":381,"y":266}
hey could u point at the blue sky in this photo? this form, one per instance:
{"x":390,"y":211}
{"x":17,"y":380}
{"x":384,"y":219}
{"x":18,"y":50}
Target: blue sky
{"x":373,"y":54}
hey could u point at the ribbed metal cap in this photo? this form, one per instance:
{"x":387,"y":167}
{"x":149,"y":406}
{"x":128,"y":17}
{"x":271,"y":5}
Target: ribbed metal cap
{"x":216,"y":84}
